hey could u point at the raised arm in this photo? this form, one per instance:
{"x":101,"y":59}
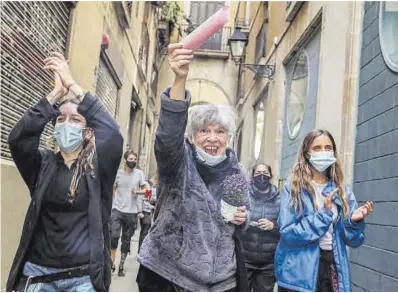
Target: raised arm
{"x":24,"y":138}
{"x":108,"y":139}
{"x":169,"y":141}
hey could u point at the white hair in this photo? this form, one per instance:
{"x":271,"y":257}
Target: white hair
{"x":207,"y":114}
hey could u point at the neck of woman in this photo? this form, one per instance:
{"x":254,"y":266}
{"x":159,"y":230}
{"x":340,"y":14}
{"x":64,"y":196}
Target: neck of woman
{"x":319,"y":177}
{"x":70,"y":158}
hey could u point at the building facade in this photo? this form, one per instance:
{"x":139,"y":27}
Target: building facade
{"x":114,"y":50}
{"x":336,"y":68}
{"x":374,"y":264}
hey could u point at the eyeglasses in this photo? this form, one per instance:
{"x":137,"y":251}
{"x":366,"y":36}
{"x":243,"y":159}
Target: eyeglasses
{"x":205,"y":133}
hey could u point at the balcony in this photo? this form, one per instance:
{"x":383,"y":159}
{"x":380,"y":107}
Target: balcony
{"x":215,"y":47}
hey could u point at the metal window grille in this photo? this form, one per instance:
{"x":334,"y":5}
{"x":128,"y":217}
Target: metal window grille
{"x":29,"y":32}
{"x":107,"y":88}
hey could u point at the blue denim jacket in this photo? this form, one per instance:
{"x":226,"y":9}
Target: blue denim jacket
{"x":297,"y":254}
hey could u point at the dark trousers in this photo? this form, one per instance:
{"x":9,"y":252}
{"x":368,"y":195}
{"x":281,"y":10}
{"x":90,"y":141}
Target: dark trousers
{"x":125,"y":222}
{"x":149,"y":281}
{"x":145,"y":224}
{"x":327,"y":275}
{"x":261,"y":280}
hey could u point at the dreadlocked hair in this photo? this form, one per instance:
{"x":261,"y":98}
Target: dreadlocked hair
{"x":301,"y":176}
{"x":84,"y":161}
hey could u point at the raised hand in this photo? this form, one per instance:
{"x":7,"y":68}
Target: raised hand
{"x":329,"y":199}
{"x":240,"y":216}
{"x":179,"y":59}
{"x":362,"y":212}
{"x":57,"y":63}
{"x":58,"y":92}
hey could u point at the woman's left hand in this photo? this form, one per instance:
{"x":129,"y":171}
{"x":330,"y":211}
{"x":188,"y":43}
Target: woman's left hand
{"x":240,"y":216}
{"x":362,"y":212}
{"x":265,"y":224}
{"x":57,"y":63}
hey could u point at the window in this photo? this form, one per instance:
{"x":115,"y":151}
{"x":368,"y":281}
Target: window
{"x":261,"y":39}
{"x":238,"y":141}
{"x":297,"y":95}
{"x":129,"y":6}
{"x":259,"y":130}
{"x":200,"y":11}
{"x":107,"y":88}
{"x":388,"y":30}
{"x":144,"y":48}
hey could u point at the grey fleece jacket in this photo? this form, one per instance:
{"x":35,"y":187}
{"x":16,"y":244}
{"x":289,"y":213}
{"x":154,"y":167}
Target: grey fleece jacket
{"x":189,"y":243}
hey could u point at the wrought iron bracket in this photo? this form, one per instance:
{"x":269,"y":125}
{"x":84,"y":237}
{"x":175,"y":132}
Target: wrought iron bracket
{"x":261,"y":70}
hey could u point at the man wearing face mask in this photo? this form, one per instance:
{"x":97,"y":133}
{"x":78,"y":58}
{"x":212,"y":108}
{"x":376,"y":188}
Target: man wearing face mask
{"x":129,"y":190}
{"x":261,"y":238}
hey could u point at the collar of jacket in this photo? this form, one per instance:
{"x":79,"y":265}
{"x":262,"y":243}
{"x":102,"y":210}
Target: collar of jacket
{"x":330,"y":186}
{"x":266,"y":195}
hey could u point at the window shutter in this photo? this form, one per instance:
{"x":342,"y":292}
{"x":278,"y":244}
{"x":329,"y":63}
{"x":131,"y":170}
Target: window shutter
{"x":29,"y":32}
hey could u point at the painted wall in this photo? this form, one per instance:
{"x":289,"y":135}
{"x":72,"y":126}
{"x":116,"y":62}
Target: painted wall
{"x":374,"y":264}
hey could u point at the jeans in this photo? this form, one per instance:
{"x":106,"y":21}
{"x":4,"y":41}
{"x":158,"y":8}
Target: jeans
{"x":145,"y":224}
{"x":79,"y":284}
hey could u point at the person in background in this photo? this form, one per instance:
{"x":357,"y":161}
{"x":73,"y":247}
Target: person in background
{"x":191,"y":246}
{"x":319,"y":217}
{"x":64,"y":244}
{"x":154,"y":185}
{"x":129,"y":189}
{"x":148,"y":205}
{"x":261,"y":238}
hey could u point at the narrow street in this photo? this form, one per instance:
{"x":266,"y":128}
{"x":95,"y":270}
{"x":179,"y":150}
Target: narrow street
{"x":127,"y":283}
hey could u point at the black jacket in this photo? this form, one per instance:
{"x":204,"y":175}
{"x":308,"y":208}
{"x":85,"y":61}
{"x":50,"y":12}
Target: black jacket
{"x":259,"y":246}
{"x":37,"y":166}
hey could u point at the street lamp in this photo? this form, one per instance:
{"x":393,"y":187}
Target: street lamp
{"x":237,"y":44}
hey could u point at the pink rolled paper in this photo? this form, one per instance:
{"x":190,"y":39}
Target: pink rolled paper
{"x":212,"y":25}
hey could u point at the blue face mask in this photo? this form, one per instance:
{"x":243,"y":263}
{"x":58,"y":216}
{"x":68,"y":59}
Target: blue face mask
{"x":69,"y":136}
{"x":322,"y":160}
{"x":209,"y":159}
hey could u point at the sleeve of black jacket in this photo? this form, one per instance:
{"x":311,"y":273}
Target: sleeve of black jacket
{"x":24,"y":140}
{"x":108,"y":140}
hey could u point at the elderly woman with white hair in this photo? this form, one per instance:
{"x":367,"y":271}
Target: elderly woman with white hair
{"x":191,"y":246}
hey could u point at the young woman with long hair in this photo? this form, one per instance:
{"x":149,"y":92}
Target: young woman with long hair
{"x":319,"y":216}
{"x":65,"y":244}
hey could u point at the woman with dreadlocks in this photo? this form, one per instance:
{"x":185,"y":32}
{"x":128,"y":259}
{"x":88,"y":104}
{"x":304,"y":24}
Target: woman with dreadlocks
{"x":65,"y":243}
{"x":318,"y":217}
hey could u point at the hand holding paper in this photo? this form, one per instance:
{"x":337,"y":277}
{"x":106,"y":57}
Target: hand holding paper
{"x":213,"y":24}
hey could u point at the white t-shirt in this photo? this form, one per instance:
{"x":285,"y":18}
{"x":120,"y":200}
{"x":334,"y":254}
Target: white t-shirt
{"x":326,"y":241}
{"x":125,"y":201}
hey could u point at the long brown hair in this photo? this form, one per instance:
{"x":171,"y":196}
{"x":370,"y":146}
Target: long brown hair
{"x":84,"y":161}
{"x":302,"y":175}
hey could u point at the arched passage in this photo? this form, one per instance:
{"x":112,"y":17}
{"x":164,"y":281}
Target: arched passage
{"x":206,"y":91}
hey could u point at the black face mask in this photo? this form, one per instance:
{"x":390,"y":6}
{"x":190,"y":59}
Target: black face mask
{"x":131,"y":165}
{"x":261,"y":181}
